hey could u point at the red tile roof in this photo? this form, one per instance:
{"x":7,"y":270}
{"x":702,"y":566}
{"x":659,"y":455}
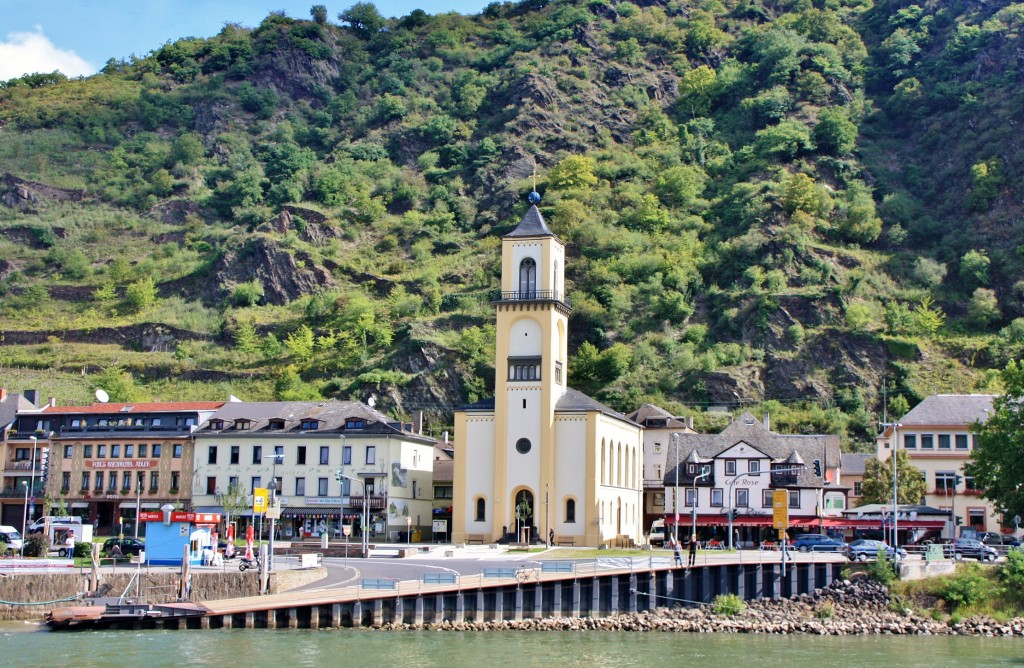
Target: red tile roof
{"x":141,"y":407}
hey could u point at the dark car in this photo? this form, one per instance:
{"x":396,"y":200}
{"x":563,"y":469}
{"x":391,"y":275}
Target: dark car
{"x":973,"y":548}
{"x":865,"y":548}
{"x":996,"y":539}
{"x":125,"y":546}
{"x":816,"y":542}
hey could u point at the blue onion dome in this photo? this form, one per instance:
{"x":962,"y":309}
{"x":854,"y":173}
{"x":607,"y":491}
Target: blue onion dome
{"x":534,"y":197}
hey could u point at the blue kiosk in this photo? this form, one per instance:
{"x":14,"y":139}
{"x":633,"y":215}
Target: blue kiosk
{"x":169,"y":532}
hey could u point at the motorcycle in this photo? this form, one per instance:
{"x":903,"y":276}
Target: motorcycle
{"x":246,"y":564}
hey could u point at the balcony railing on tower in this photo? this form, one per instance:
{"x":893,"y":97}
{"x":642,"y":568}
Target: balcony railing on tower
{"x":534,"y":296}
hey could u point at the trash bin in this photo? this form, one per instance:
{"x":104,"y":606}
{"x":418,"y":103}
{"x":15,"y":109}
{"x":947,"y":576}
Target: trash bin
{"x":402,"y":537}
{"x":416,"y":535}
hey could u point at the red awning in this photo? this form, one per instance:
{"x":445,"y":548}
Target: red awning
{"x":806,"y":522}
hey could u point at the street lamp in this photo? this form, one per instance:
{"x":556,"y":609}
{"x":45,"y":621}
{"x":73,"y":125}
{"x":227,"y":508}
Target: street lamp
{"x":32,"y":473}
{"x":24,"y":519}
{"x":341,"y":476}
{"x":408,"y":532}
{"x":675,"y":498}
{"x":272,"y":488}
{"x":693,"y":513}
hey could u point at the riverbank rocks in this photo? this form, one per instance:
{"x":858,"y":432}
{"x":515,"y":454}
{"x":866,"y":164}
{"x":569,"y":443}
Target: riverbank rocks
{"x":846,"y":607}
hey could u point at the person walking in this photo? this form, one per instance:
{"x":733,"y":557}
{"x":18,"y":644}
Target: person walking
{"x":677,"y":549}
{"x":69,"y":545}
{"x":693,"y":549}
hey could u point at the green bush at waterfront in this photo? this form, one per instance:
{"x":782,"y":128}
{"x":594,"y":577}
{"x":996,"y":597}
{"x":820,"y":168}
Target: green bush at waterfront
{"x":974,"y":589}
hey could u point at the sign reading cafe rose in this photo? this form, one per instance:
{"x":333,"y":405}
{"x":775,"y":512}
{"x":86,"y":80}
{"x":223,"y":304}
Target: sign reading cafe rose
{"x":120,"y":464}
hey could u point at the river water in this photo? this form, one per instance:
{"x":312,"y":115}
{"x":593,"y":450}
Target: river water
{"x":24,"y":646}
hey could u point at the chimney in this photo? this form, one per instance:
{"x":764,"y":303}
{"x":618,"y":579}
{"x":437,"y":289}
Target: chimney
{"x":3,"y":393}
{"x":417,"y":422}
{"x":767,"y":420}
{"x":51,"y":402}
{"x":689,"y":422}
{"x":31,"y":396}
{"x":445,"y":436}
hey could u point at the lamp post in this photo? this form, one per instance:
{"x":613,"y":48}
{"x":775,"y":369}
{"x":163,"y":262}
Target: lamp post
{"x":408,"y":532}
{"x":341,"y":476}
{"x":693,"y":513}
{"x":675,"y":499}
{"x":32,"y":474}
{"x":24,"y":519}
{"x":272,"y":488}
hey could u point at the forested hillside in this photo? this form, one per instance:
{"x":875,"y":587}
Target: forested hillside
{"x":776,"y":205}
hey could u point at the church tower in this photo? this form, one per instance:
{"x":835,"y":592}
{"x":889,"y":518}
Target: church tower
{"x":530,"y":363}
{"x":540,"y":458}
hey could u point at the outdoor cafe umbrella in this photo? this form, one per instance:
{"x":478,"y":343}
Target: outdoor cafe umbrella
{"x":248,"y":542}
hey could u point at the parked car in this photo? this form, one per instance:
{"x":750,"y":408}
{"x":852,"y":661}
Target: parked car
{"x":128,"y":546}
{"x":959,"y":548}
{"x":816,"y":542}
{"x":994,"y":539}
{"x":865,"y":548}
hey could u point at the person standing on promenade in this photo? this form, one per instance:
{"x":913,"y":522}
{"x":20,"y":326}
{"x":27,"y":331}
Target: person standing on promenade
{"x":693,"y":549}
{"x":677,"y":549}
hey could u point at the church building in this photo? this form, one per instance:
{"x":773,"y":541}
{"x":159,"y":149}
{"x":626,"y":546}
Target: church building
{"x":539,"y":458}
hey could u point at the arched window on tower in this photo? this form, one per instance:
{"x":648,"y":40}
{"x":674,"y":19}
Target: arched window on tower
{"x":570,"y":511}
{"x":528,"y":279}
{"x":481,"y":510}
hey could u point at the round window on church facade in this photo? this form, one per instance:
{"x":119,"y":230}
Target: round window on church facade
{"x":523,"y":445}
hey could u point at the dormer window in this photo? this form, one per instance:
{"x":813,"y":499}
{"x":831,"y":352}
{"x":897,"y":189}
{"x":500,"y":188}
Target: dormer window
{"x":216,"y":424}
{"x":242,"y":424}
{"x":275,"y":424}
{"x":353,"y":423}
{"x":310,"y":425}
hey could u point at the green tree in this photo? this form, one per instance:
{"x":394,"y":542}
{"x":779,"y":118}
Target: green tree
{"x":983,"y":308}
{"x":974,"y":269}
{"x":246,"y":338}
{"x":363,"y":19}
{"x":910,"y":482}
{"x":573,"y":173}
{"x":319,"y":14}
{"x":140,"y":295}
{"x":300,"y":344}
{"x":835,"y":133}
{"x":997,"y":464}
{"x":927,"y":318}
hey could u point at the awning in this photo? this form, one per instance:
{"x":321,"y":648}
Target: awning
{"x":843,"y":523}
{"x":310,"y":512}
{"x":147,"y":506}
{"x":798,"y":522}
{"x":78,"y":504}
{"x":209,"y":509}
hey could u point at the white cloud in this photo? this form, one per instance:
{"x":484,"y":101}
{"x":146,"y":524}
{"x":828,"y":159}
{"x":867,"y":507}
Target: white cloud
{"x":30,"y":52}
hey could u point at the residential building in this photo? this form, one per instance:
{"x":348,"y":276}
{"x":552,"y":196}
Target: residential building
{"x":936,"y":434}
{"x":739,"y":470}
{"x":853,"y":476}
{"x":658,"y":427}
{"x":107,"y":461}
{"x":539,"y":457}
{"x":302,"y":446}
{"x":444,"y":475}
{"x":20,"y":468}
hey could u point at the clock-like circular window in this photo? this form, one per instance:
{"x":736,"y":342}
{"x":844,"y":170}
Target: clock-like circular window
{"x":523,"y":445}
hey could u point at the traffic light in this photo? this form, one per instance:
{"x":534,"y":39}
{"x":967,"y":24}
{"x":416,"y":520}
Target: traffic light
{"x":959,"y":520}
{"x":958,"y":479}
{"x":817,"y":467}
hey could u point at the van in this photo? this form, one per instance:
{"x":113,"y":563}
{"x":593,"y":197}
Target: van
{"x":42,"y":524}
{"x":656,"y":536}
{"x":10,"y":540}
{"x":58,"y":533}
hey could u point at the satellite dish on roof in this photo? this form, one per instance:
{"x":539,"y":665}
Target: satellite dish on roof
{"x":102,"y":396}
{"x":371,"y":402}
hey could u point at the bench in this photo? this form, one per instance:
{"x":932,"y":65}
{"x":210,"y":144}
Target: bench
{"x":378,"y":583}
{"x":565,"y":540}
{"x":557,"y":567}
{"x":499,"y":572}
{"x":439,"y":578}
{"x":475,"y":538}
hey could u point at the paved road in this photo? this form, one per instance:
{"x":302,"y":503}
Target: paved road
{"x":473,"y":560}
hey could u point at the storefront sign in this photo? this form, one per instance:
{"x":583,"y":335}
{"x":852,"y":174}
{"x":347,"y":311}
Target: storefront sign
{"x":120,"y":463}
{"x":323,"y":501}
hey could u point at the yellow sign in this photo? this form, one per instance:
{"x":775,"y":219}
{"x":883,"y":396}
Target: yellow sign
{"x":259,"y":500}
{"x":780,"y":509}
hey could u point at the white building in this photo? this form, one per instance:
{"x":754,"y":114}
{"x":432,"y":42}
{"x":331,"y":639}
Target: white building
{"x":936,"y":434}
{"x":303,"y":445}
{"x":540,"y":456}
{"x":658,"y":427}
{"x":740,"y":468}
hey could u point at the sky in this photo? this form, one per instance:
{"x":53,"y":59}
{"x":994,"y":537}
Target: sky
{"x":78,"y":36}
